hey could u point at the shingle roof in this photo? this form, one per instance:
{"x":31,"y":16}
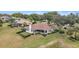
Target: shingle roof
{"x":41,"y":26}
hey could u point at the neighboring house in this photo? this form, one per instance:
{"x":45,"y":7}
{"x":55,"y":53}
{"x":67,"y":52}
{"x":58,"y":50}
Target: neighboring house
{"x":42,"y":28}
{"x":21,"y":22}
{"x":5,"y":18}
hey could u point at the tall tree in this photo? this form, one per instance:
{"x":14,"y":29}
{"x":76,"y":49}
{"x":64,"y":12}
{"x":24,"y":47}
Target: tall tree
{"x":35,"y":17}
{"x":51,"y":16}
{"x":20,"y":15}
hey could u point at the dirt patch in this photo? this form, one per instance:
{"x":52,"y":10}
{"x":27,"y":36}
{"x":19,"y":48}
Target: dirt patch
{"x":48,"y":44}
{"x":59,"y":42}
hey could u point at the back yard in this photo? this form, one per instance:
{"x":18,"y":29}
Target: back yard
{"x":9,"y":38}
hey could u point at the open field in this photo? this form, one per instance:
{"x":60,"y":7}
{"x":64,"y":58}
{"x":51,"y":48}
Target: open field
{"x":50,"y":29}
{"x":75,"y":44}
{"x":9,"y":38}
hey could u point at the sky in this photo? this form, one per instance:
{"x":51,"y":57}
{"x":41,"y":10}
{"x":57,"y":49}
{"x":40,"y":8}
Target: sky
{"x":24,"y":12}
{"x":37,"y":12}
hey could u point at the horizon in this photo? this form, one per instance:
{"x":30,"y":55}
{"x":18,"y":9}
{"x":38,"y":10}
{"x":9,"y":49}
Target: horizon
{"x":38,"y":12}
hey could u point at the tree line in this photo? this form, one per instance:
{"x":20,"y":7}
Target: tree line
{"x":54,"y":17}
{"x":50,"y":17}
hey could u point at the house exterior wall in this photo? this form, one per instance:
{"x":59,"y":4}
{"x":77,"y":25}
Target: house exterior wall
{"x":31,"y":29}
{"x":5,"y":18}
{"x":23,"y":22}
{"x":48,"y":31}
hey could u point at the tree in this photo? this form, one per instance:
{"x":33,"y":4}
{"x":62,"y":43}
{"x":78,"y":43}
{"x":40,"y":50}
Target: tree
{"x":25,"y":16}
{"x":35,"y":17}
{"x":67,"y":19}
{"x":72,"y":18}
{"x":76,"y":31}
{"x":12,"y":20}
{"x":20,"y":15}
{"x":73,"y":32}
{"x":52,"y":16}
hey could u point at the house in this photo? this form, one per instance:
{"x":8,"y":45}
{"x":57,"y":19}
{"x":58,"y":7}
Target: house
{"x":5,"y":18}
{"x":21,"y":22}
{"x":43,"y":28}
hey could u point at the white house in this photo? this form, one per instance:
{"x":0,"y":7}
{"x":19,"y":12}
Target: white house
{"x":42,"y":28}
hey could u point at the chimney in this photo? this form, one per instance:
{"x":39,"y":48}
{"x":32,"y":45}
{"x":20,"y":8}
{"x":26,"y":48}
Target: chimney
{"x":30,"y":26}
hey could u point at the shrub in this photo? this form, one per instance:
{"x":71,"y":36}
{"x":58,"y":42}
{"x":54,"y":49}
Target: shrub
{"x":56,"y":30}
{"x":69,"y":33}
{"x":19,"y":32}
{"x":71,"y":38}
{"x":0,"y":25}
{"x":23,"y":34}
{"x":44,"y":35}
{"x":61,"y":31}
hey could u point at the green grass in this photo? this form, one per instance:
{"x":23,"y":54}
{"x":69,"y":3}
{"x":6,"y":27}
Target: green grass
{"x":55,"y":45}
{"x":37,"y":40}
{"x":9,"y":38}
{"x":24,"y":34}
{"x":73,"y":43}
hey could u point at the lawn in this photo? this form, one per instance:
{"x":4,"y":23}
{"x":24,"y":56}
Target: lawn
{"x":9,"y":38}
{"x":37,"y":40}
{"x":55,"y":45}
{"x":73,"y":43}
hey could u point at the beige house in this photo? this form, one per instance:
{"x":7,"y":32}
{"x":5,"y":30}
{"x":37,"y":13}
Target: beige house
{"x":21,"y":22}
{"x":5,"y":18}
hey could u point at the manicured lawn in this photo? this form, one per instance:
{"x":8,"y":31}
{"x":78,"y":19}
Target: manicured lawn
{"x":9,"y":38}
{"x":37,"y":40}
{"x":55,"y":45}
